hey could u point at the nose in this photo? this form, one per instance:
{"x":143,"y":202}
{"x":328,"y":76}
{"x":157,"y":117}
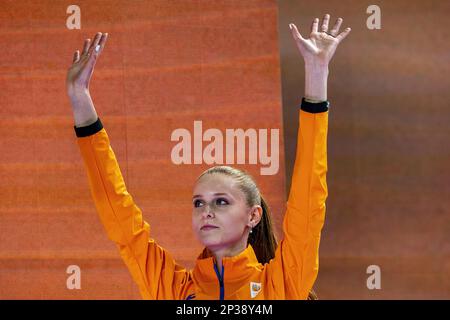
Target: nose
{"x":207,"y":211}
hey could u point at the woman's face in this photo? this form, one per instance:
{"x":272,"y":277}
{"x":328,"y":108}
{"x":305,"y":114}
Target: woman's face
{"x":220,"y":216}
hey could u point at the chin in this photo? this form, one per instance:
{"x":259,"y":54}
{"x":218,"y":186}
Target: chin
{"x":211,"y":242}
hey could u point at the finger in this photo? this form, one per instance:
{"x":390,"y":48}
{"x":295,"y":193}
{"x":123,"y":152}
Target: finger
{"x":87,"y":42}
{"x":343,"y":34}
{"x":94,"y":51}
{"x":295,"y":31}
{"x":315,"y":25}
{"x":336,"y":27}
{"x":326,"y":20}
{"x":76,"y":56}
{"x":101,"y":44}
{"x":95,"y":42}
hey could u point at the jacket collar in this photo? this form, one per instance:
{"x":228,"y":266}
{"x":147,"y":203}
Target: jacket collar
{"x":236,"y":268}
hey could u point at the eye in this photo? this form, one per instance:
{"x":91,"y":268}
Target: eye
{"x":197,"y":203}
{"x":221,"y":201}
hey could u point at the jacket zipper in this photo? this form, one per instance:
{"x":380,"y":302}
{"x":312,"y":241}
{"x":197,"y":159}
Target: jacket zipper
{"x":220,"y":277}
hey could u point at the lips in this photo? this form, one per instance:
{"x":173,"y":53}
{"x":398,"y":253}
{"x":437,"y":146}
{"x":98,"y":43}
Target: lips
{"x":207,"y":227}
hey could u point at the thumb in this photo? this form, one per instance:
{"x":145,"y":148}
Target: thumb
{"x":295,"y":33}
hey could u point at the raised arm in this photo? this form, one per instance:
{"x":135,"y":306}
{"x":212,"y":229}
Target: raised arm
{"x":297,"y":255}
{"x":152,"y":268}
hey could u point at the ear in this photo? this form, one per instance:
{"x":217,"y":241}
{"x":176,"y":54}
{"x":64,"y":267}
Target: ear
{"x":255,"y":216}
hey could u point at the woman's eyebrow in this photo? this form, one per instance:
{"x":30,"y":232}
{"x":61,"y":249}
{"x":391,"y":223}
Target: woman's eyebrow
{"x":215,"y":194}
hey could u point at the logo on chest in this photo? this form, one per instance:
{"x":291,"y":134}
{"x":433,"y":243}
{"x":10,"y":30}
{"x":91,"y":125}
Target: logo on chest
{"x":255,"y":288}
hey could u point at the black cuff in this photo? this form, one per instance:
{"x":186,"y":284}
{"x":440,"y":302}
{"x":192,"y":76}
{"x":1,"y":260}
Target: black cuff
{"x":89,"y":130}
{"x":314,"y":107}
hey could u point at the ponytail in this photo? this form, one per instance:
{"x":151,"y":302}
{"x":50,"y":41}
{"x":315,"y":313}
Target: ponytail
{"x":264,"y":242}
{"x":262,"y":238}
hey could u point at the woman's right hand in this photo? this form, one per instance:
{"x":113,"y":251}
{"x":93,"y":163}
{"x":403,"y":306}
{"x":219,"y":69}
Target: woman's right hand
{"x":80,"y":72}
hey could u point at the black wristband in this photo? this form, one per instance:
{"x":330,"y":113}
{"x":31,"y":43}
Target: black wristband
{"x":89,"y":130}
{"x":314,"y":107}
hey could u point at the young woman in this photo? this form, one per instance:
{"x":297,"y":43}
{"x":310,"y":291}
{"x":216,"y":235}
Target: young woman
{"x":241,"y":259}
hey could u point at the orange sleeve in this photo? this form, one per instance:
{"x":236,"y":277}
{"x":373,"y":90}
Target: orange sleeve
{"x":152,"y":268}
{"x":296,"y":263}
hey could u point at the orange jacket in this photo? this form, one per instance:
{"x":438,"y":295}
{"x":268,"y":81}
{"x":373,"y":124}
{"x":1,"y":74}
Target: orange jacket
{"x":290,"y":275}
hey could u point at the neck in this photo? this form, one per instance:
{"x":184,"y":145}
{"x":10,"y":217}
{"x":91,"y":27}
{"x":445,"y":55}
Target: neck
{"x":220,"y":253}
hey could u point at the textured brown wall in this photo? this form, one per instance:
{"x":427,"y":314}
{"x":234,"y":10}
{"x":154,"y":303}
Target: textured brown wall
{"x":166,"y":64}
{"x":389,"y":160}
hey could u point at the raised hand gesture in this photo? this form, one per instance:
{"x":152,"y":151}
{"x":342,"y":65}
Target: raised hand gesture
{"x":80,"y":72}
{"x":321,"y":45}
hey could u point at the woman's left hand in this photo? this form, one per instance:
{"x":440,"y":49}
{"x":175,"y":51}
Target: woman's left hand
{"x":321,"y":45}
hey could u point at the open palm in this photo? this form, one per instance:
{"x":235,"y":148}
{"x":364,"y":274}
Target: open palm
{"x":320,"y":47}
{"x":80,"y":72}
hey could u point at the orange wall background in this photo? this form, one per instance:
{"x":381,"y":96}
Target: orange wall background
{"x":166,"y":64}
